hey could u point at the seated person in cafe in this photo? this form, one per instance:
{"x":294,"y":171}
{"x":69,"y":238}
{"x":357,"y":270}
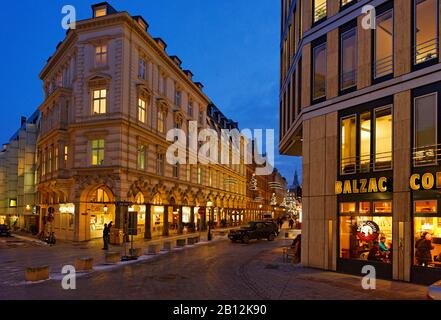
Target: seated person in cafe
{"x":383,"y":246}
{"x":374,"y":252}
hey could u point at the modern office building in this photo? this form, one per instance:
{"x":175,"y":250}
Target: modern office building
{"x":18,"y":193}
{"x":360,"y":101}
{"x":112,"y":92}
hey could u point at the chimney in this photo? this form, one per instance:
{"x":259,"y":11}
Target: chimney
{"x":23,"y":121}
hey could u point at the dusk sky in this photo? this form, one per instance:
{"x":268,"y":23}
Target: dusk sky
{"x":231,"y":46}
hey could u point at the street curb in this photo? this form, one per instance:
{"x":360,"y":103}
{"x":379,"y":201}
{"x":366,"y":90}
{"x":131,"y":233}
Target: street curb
{"x":29,"y":239}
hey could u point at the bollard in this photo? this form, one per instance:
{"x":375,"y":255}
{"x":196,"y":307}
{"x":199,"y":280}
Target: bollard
{"x":37,"y":274}
{"x":180,"y":243}
{"x":167,"y":246}
{"x":113,"y":257}
{"x":84,"y":264}
{"x":135,"y":252}
{"x":153,"y":249}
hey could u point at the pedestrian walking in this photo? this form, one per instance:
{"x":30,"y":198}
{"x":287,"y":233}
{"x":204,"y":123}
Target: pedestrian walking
{"x":291,"y":223}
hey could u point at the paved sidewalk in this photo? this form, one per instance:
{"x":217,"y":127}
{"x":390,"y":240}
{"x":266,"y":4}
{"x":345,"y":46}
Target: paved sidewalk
{"x":14,"y":261}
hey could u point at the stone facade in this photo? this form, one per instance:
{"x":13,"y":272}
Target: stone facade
{"x":112,"y":92}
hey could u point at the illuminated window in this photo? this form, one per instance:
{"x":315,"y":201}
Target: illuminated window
{"x":365,"y":207}
{"x":319,"y":10}
{"x":100,"y":195}
{"x":56,"y":158}
{"x":426,"y":206}
{"x":188,"y":173}
{"x":161,"y":121}
{"x":348,"y":207}
{"x":49,"y":160}
{"x":427,"y":240}
{"x":99,"y":101}
{"x":425,"y":30}
{"x":142,"y":110}
{"x":141,"y":157}
{"x":319,"y":71}
{"x":348,"y":145}
{"x":366,"y":238}
{"x":426,"y":130}
{"x":383,"y":43}
{"x":101,"y":55}
{"x":12,"y":203}
{"x":365,"y":142}
{"x":43,"y":163}
{"x":383,"y":207}
{"x":348,"y":64}
{"x":66,"y":155}
{"x":346,"y":2}
{"x":199,"y":175}
{"x":98,"y":152}
{"x":383,"y":138}
{"x":100,"y":12}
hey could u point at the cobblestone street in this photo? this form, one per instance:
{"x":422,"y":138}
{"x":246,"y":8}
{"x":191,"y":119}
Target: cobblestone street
{"x":217,"y":270}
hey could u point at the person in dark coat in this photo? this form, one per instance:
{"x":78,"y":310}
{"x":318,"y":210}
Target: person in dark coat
{"x":106,"y":236}
{"x":424,"y":249}
{"x":374,"y":252}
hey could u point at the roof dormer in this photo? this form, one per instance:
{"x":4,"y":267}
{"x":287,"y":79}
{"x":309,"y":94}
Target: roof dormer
{"x":102,"y":9}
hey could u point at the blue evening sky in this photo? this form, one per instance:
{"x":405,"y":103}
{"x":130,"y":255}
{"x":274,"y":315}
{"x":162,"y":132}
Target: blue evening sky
{"x":231,"y":46}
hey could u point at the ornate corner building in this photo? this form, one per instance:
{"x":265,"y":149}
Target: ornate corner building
{"x":359,"y":101}
{"x":111,"y":95}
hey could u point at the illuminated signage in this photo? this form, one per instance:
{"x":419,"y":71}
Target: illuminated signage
{"x":426,"y":181}
{"x":373,"y":185}
{"x":368,"y":231}
{"x":67,"y":208}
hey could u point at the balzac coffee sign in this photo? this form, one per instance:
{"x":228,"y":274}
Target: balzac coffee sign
{"x":356,"y":186}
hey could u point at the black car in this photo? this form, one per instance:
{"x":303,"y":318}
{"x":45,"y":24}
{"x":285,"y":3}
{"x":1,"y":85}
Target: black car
{"x":5,"y":231}
{"x":255,"y":230}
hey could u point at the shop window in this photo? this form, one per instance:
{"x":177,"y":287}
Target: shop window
{"x":365,"y":208}
{"x":383,"y":207}
{"x":383,"y":138}
{"x":366,"y":238}
{"x":319,"y":55}
{"x":425,"y":31}
{"x":319,"y":10}
{"x":348,"y":59}
{"x":383,"y":45}
{"x":348,"y":145}
{"x":427,"y":233}
{"x":426,"y":206}
{"x":348,"y":207}
{"x":426,"y":130}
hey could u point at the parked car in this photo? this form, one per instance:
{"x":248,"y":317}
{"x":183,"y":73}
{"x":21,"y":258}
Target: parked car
{"x":434,"y":292}
{"x":5,"y":231}
{"x":255,"y":230}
